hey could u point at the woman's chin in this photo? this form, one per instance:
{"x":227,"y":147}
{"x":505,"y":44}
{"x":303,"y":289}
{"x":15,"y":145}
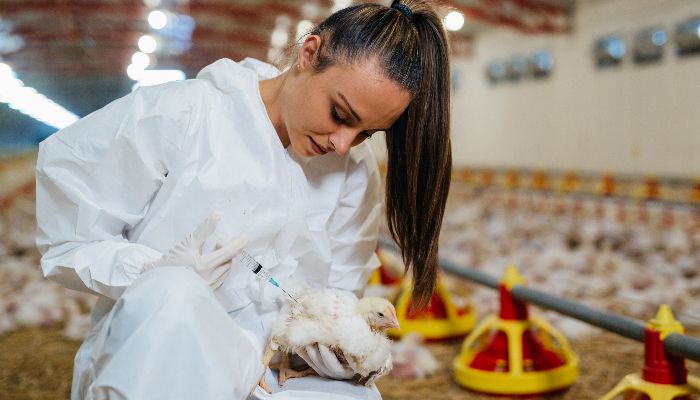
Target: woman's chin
{"x":303,"y":151}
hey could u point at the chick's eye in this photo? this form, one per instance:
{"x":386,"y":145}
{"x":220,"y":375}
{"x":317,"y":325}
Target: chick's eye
{"x":380,"y":314}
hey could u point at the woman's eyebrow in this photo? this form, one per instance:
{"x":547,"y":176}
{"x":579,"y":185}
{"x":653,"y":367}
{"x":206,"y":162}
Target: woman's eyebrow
{"x":350,"y":107}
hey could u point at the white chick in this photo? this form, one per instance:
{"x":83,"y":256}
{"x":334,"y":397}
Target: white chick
{"x":355,"y":331}
{"x":77,"y":327}
{"x":411,"y":359}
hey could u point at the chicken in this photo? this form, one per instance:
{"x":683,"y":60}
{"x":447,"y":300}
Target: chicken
{"x":355,"y":331}
{"x":411,"y":359}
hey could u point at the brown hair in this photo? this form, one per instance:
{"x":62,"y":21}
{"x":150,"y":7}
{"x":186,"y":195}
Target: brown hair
{"x":414,"y":53}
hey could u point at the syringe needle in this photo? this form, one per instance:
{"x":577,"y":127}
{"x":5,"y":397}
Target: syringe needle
{"x":290,"y":296}
{"x":253,"y":265}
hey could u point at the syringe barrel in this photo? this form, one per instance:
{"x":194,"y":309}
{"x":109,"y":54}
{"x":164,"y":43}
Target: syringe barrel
{"x":264,"y":274}
{"x":250,"y":263}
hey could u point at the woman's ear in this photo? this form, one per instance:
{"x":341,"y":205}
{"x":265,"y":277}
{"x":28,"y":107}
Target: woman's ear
{"x":308,"y":51}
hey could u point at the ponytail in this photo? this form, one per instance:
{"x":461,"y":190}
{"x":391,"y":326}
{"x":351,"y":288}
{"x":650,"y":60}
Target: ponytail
{"x":420,"y":159}
{"x":409,"y":43}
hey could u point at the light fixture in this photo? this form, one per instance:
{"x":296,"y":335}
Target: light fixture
{"x":5,"y":72}
{"x":496,"y":71}
{"x":659,"y":37}
{"x":454,"y":21}
{"x":279,"y":38}
{"x":609,"y":51}
{"x":540,"y":63}
{"x":134,"y":71}
{"x":27,"y":101}
{"x":147,"y":44}
{"x":303,"y":28}
{"x":273,"y":53}
{"x":157,"y":19}
{"x":141,"y":60}
{"x":648,"y":45}
{"x":688,"y":37}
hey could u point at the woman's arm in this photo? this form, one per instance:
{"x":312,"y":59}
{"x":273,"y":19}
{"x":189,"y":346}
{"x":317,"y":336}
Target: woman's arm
{"x":95,"y":181}
{"x":354,"y":227}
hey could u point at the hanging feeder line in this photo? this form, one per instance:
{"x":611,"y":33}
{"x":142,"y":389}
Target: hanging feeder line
{"x":680,"y":345}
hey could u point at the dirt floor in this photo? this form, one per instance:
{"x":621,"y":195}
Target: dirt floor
{"x":605,"y":360}
{"x":37,"y":363}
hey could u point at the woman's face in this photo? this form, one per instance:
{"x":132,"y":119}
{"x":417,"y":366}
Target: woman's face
{"x":340,"y":107}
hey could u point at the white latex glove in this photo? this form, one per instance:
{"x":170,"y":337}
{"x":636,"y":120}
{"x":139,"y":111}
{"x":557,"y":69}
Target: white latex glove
{"x":325,"y":362}
{"x":213,"y":267}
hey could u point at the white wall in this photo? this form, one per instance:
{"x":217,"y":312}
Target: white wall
{"x":629,"y":119}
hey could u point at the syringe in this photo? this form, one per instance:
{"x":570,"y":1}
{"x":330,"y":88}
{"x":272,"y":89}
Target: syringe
{"x":250,"y":263}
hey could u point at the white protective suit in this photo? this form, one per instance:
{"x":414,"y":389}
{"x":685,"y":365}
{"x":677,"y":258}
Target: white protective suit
{"x":125,"y":184}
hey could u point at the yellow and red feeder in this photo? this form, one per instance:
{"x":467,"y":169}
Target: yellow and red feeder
{"x":386,"y":280}
{"x":664,"y":376}
{"x":449,"y":313}
{"x":515,"y":353}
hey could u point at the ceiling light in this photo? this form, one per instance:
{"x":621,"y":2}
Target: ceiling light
{"x":140,"y":60}
{"x":303,"y":28}
{"x":23,"y":98}
{"x":273,"y":53}
{"x":659,"y":37}
{"x":279,"y":38}
{"x":27,"y":101}
{"x":134,"y":71}
{"x":454,"y":20}
{"x":8,"y":89}
{"x":157,"y":19}
{"x":147,"y":44}
{"x":5,"y":71}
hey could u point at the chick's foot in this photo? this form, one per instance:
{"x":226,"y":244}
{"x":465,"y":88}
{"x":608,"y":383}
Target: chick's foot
{"x":286,"y":372}
{"x":263,"y":385}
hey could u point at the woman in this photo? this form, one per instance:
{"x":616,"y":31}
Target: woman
{"x":275,"y":159}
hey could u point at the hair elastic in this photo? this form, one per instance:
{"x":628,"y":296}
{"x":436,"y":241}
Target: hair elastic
{"x":406,"y":10}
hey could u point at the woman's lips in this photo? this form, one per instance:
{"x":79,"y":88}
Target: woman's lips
{"x":316,"y":148}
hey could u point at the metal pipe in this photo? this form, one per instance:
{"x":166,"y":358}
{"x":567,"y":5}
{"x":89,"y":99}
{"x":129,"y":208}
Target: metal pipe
{"x":469,"y":273}
{"x":627,"y":327}
{"x":677,"y":344}
{"x":683,"y":346}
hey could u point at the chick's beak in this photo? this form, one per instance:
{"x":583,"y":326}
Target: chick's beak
{"x":394,"y":322}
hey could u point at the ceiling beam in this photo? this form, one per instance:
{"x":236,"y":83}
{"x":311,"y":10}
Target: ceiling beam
{"x":526,"y":16}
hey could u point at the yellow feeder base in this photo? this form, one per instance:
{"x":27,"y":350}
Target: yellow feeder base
{"x":655,"y":332}
{"x":516,"y":381}
{"x":655,"y":391}
{"x":376,"y":278}
{"x":454,"y":325}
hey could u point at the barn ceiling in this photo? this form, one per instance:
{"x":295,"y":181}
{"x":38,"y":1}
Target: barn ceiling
{"x":76,"y":52}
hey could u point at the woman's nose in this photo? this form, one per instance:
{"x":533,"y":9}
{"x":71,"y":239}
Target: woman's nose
{"x":342,"y":140}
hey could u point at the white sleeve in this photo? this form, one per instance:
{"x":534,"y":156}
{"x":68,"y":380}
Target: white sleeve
{"x":95,"y":180}
{"x":354,"y":229}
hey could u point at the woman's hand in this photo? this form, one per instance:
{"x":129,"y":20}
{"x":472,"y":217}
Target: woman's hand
{"x":325,"y":362}
{"x":213,"y":267}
